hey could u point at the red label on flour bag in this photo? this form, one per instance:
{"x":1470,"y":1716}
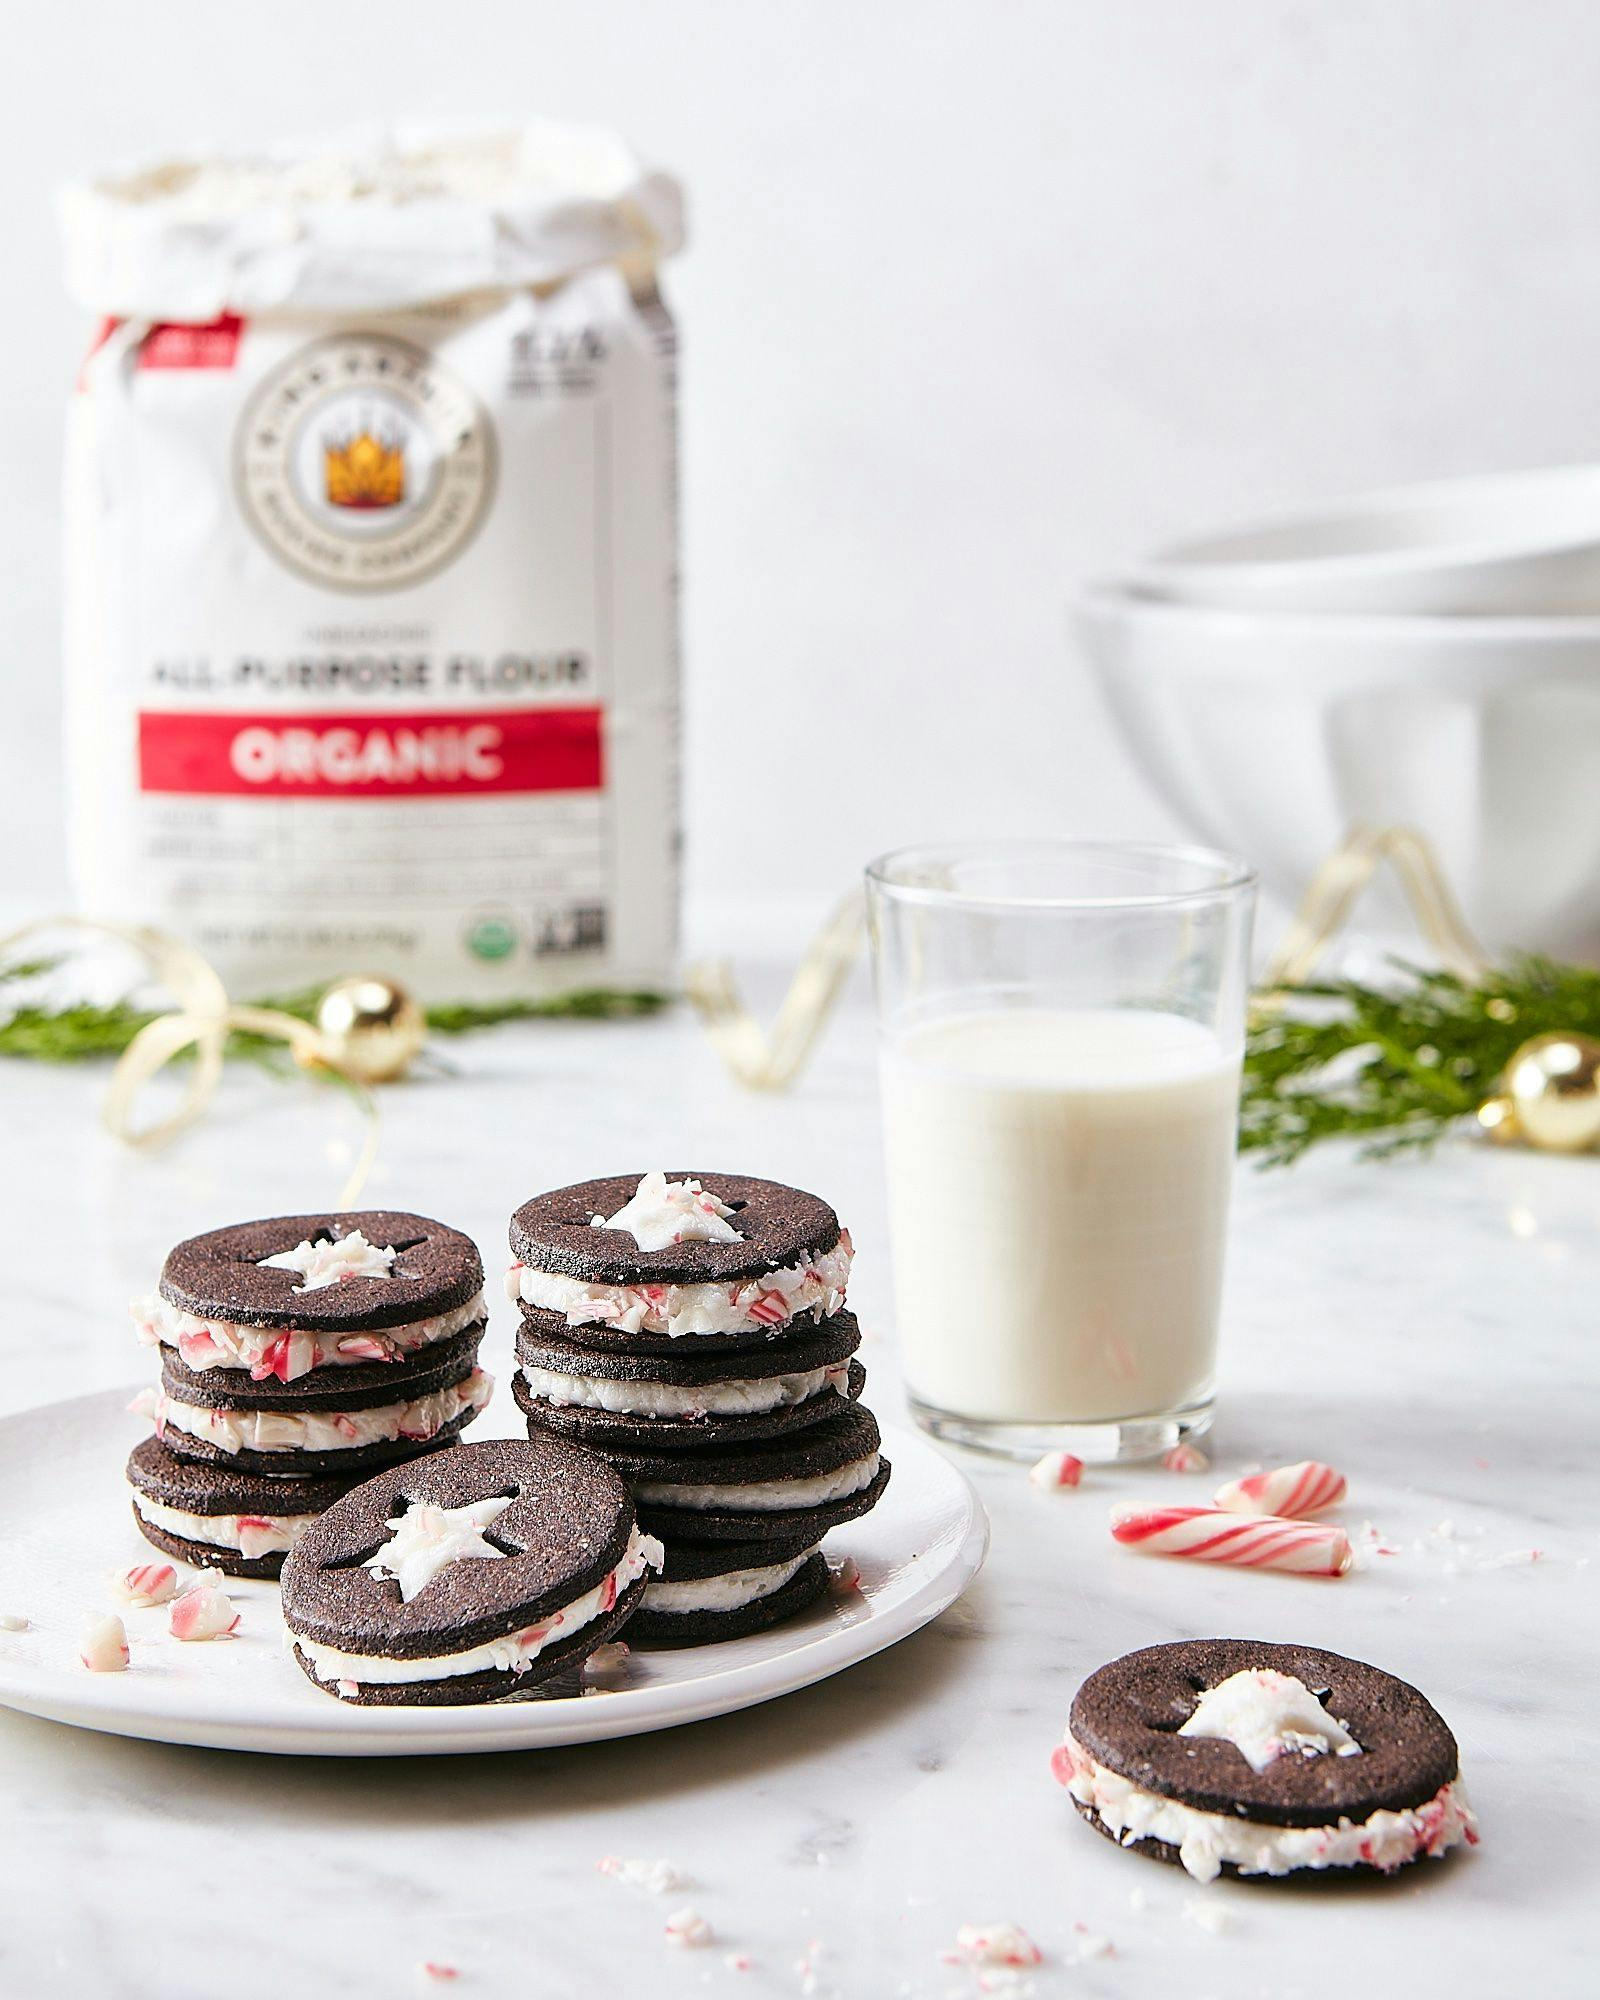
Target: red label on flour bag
{"x":372,"y":563}
{"x":366,"y":756}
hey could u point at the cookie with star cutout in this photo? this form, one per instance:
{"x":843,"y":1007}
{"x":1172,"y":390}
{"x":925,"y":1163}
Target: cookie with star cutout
{"x":487,"y":1572}
{"x":1242,"y":1757}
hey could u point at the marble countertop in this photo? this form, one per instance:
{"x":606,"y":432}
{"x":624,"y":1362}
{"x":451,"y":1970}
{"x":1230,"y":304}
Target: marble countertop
{"x":1428,"y":1327}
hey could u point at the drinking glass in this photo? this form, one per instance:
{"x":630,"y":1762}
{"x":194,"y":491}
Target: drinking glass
{"x":1061,"y":1033}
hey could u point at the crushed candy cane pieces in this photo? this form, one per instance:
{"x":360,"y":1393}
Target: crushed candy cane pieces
{"x":13,"y":1621}
{"x":1185,"y":1458}
{"x":846,"y":1577}
{"x":202,"y":1612}
{"x":1308,"y":1487}
{"x":688,"y":1929}
{"x":1056,"y":1470}
{"x":659,"y":1878}
{"x":994,"y":1944}
{"x":103,"y":1647}
{"x":146,"y":1584}
{"x":431,"y":1968}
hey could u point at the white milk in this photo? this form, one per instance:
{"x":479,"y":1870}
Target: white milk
{"x":1058,"y":1190}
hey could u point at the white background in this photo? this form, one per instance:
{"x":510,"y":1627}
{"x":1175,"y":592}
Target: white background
{"x":981,"y":298}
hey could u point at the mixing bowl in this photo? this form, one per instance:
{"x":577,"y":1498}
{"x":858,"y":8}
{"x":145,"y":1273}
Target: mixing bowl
{"x":1272,"y":734}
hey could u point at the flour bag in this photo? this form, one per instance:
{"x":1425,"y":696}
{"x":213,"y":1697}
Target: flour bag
{"x":372,"y":654}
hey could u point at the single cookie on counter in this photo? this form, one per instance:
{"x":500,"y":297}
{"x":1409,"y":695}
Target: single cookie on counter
{"x":797,"y":1486}
{"x":483,"y":1573}
{"x":660,"y":1264}
{"x":334,"y":1420}
{"x":607,"y":1397}
{"x":215,"y":1517}
{"x":1242,"y":1757}
{"x":722,"y":1590}
{"x":281,"y":1297}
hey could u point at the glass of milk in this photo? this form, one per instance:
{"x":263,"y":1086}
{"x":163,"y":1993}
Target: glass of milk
{"x":1062,"y":1029}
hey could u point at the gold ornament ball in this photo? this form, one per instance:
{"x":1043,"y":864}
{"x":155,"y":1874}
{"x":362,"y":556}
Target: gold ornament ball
{"x":371,"y":1027}
{"x":1553,"y":1084}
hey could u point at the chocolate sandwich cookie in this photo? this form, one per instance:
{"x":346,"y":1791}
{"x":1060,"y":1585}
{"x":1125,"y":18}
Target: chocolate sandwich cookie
{"x":644,"y":1263}
{"x":606,"y":1397}
{"x":482,"y":1573}
{"x":214,"y":1517}
{"x":294,"y":1293}
{"x":1241,"y":1757}
{"x":800,"y":1486}
{"x":721,"y":1590}
{"x":334,"y":1420}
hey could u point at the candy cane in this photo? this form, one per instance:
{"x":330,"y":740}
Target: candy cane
{"x":1185,"y":1458}
{"x":1306,"y":1488}
{"x":1056,"y":1469}
{"x":103,"y":1647}
{"x":146,"y":1584}
{"x":1252,"y":1541}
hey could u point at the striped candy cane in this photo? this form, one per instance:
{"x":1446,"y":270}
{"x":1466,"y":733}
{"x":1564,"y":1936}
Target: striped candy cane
{"x":1306,"y":1488}
{"x":1252,"y":1541}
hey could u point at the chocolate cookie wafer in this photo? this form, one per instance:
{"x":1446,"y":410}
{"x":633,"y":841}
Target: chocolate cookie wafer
{"x":608,"y":1397}
{"x":1243,"y":1757}
{"x":476,"y":1574}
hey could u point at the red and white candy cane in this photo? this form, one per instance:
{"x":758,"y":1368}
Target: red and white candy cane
{"x":1252,"y":1541}
{"x":1306,"y":1488}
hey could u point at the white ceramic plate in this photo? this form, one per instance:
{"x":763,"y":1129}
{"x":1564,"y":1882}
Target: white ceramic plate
{"x":69,"y":1526}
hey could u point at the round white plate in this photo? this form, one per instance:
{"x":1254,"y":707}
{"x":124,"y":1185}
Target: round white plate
{"x":69,"y":1526}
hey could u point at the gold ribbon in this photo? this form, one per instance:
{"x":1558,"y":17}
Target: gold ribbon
{"x":1338,"y":885}
{"x":202,"y":1020}
{"x":772,"y":1062}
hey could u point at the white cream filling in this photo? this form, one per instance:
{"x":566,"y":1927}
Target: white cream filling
{"x":251,"y":1534}
{"x":289,"y":1352}
{"x":512,"y":1654}
{"x":816,"y":1287}
{"x":766,"y":1495}
{"x":665,"y":1399}
{"x":722,"y":1593}
{"x":1266,"y":1715}
{"x":285,"y":1430}
{"x":1206,"y":1840}
{"x":663,"y":1212}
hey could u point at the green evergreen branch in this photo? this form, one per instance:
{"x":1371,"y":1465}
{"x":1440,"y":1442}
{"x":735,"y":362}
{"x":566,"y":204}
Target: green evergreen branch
{"x":1397,"y":1069}
{"x":82,"y":1031}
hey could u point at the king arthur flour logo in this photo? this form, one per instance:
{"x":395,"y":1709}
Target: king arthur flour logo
{"x":363,"y":464}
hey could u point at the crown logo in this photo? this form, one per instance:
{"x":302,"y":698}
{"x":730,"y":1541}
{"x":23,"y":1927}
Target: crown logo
{"x":366,"y":470}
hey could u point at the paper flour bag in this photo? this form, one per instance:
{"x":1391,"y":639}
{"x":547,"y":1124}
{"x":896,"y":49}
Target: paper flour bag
{"x":372,"y":562}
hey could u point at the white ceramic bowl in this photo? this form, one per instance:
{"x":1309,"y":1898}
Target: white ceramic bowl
{"x":1272,"y":735}
{"x":1516,"y":542}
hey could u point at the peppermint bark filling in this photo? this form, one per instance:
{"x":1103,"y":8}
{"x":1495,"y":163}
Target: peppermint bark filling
{"x":1206,"y":1841}
{"x":770,"y":1301}
{"x":290,"y":1352}
{"x":763,"y":1496}
{"x":289,"y":1431}
{"x":251,"y":1534}
{"x":634,"y":1398}
{"x":727,"y":1592}
{"x":513,"y":1654}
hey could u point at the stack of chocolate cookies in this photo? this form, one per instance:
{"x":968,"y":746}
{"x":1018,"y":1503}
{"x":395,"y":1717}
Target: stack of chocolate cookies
{"x":299,"y":1356}
{"x":692,"y":1329}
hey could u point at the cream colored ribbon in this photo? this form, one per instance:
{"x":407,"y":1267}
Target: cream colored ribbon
{"x":202,"y":1020}
{"x":1338,"y":885}
{"x":764,"y":1061}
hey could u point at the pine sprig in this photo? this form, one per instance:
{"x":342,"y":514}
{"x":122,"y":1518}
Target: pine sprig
{"x":82,"y":1030}
{"x":1397,"y":1068}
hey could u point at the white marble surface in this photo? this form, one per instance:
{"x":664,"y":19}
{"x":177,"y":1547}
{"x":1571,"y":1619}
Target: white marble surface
{"x":1430,"y":1328}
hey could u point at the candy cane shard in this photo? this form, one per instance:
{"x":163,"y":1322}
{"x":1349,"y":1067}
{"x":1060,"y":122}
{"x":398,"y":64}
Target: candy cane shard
{"x":103,"y":1647}
{"x":1250,"y":1541}
{"x":1055,"y":1470}
{"x":1307,"y":1488}
{"x":146,"y":1584}
{"x":1185,"y":1457}
{"x":202,"y":1612}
